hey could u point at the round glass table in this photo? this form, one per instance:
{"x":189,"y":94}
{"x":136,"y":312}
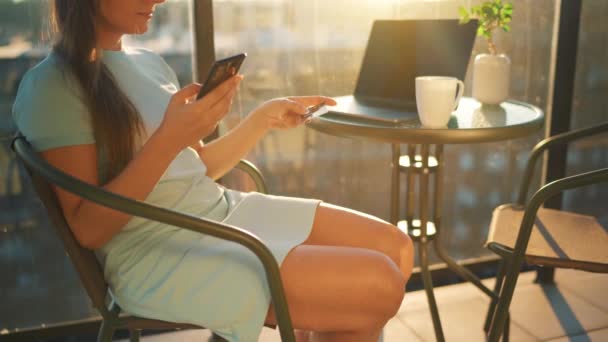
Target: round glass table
{"x":422,"y":163}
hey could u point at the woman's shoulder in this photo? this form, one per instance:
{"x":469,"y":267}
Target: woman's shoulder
{"x":152,"y":59}
{"x":141,"y":51}
{"x":49,"y":76}
{"x":48,"y":108}
{"x":47,"y":84}
{"x":143,"y":55}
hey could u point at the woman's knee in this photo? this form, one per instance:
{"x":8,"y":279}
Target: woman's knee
{"x":406,"y":252}
{"x":401,"y":248}
{"x":337,"y":288}
{"x":387,"y":288}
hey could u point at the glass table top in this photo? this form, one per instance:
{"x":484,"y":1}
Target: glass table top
{"x":472,"y":122}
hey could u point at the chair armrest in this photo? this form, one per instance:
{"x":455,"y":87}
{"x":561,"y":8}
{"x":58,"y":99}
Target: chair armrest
{"x":546,"y":192}
{"x":548,"y":143}
{"x":145,"y":210}
{"x":254,"y":173}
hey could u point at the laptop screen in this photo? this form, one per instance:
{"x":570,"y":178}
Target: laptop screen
{"x":400,"y":50}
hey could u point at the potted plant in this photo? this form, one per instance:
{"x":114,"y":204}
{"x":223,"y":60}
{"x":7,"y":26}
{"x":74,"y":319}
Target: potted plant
{"x":491,"y":71}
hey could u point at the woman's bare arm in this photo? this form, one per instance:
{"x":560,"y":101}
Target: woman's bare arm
{"x":92,"y":224}
{"x":221,"y":155}
{"x":183,"y":124}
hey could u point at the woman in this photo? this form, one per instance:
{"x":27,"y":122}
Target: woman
{"x":118,"y":113}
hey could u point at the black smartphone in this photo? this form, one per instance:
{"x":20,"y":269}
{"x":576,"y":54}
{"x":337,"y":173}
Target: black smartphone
{"x":221,"y":71}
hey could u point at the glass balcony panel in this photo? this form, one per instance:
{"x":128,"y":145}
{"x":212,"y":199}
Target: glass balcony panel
{"x":590,"y":107}
{"x":311,"y":47}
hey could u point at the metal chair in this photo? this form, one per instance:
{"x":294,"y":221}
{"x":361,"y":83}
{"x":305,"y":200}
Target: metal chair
{"x":545,"y":237}
{"x":89,"y":269}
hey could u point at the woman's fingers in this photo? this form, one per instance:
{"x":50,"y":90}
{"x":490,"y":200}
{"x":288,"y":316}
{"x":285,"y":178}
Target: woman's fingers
{"x":222,"y":107}
{"x":219,"y":110}
{"x":294,"y":120}
{"x":280,"y":124}
{"x":290,"y":119}
{"x":291,"y":113}
{"x":187,"y":92}
{"x":295,"y":106}
{"x":218,"y":93}
{"x":313,"y":100}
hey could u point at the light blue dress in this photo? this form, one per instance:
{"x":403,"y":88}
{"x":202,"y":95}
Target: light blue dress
{"x":156,"y":270}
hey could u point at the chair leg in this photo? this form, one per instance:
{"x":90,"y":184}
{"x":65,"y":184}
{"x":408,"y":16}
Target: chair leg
{"x":500,"y":275}
{"x":501,"y":316}
{"x":134,"y":335}
{"x":106,"y":331}
{"x":505,"y":335}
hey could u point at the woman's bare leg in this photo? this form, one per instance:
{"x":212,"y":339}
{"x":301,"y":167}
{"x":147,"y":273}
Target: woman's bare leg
{"x":338,"y":226}
{"x":328,"y":289}
{"x":309,"y":336}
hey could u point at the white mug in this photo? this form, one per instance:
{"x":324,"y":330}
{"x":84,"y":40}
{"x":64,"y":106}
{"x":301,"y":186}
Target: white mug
{"x":436,"y":98}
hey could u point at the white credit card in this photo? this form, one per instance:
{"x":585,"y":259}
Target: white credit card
{"x":320,"y":111}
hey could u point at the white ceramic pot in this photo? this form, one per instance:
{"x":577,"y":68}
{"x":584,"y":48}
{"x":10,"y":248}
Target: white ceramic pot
{"x":491,"y":78}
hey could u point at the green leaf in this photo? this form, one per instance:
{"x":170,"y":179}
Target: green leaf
{"x":506,"y":28}
{"x":476,"y":10}
{"x":488,"y":12}
{"x":463,"y":12}
{"x":482,"y":32}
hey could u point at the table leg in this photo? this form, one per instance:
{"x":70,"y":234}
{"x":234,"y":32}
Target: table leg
{"x":424,"y":192}
{"x":411,"y":151}
{"x":460,"y":270}
{"x":428,"y":288}
{"x":396,"y":183}
{"x":438,"y":187}
{"x":439,"y":249}
{"x":424,"y":241}
{"x":426,"y":233}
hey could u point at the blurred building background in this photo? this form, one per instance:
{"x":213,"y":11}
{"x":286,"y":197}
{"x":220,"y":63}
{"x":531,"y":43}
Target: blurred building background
{"x":304,"y":48}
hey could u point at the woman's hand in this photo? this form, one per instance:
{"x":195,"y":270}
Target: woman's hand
{"x":288,"y":112}
{"x":188,"y":120}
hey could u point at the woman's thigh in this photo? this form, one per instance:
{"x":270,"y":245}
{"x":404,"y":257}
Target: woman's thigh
{"x":338,"y":226}
{"x":331,"y":288}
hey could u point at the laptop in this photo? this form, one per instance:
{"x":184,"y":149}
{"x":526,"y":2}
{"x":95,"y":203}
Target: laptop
{"x":397,"y":52}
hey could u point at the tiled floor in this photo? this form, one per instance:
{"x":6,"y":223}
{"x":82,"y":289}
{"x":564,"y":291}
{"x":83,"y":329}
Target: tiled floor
{"x":576,"y":309}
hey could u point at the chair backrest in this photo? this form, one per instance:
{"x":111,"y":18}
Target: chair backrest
{"x":84,"y":260}
{"x":87,"y":266}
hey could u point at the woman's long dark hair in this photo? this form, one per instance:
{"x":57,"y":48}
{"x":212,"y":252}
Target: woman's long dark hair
{"x":115,"y":120}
